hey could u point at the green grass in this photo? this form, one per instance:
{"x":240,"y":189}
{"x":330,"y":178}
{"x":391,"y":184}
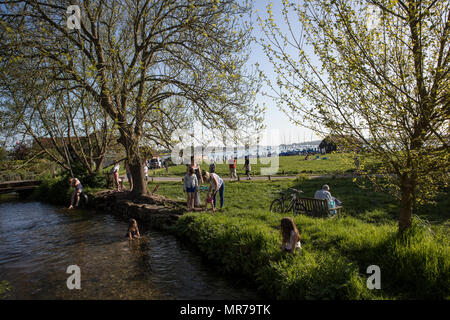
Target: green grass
{"x":291,"y":165}
{"x":245,"y":239}
{"x":365,"y":204}
{"x":5,"y":287}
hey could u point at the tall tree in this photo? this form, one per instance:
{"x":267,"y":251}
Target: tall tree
{"x":377,"y":70}
{"x":137,"y":56}
{"x":65,"y":124}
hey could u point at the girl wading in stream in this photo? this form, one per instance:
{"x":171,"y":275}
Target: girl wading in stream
{"x":133,"y":230}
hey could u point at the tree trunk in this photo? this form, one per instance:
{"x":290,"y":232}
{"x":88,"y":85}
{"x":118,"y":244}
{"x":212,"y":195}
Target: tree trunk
{"x":406,"y":203}
{"x":137,"y":173}
{"x":130,"y":141}
{"x":99,"y":164}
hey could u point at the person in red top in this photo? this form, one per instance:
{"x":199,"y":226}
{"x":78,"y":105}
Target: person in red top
{"x":232,"y":166}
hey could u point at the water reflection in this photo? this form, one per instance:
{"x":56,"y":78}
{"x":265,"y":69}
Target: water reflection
{"x":38,"y":242}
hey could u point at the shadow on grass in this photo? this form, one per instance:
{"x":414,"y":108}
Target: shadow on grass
{"x":370,"y":205}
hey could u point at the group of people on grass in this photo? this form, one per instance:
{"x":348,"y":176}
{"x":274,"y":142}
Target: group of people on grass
{"x":192,"y":181}
{"x":117,"y":181}
{"x":232,"y":164}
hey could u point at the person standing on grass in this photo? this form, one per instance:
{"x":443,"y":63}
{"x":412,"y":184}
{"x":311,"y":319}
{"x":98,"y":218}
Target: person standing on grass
{"x":290,"y":235}
{"x":216,"y":185}
{"x":115,"y":172}
{"x":166,"y":165}
{"x":198,"y":174}
{"x":232,"y":166}
{"x":247,"y":167}
{"x":212,"y":167}
{"x":145,"y":170}
{"x":190,"y":186}
{"x":129,"y":176}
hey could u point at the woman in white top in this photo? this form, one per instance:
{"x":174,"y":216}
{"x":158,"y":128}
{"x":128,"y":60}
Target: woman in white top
{"x":290,"y":234}
{"x":115,"y":171}
{"x":216,"y":185}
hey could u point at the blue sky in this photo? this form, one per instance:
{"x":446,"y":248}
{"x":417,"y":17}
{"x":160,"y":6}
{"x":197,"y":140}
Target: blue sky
{"x":274,"y":118}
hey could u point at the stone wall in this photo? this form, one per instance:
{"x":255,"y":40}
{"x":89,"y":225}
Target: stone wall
{"x":155,"y":211}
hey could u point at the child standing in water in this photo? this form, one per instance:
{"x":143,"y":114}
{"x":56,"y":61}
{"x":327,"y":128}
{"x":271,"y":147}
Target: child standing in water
{"x":190,"y":186}
{"x":133,"y":230}
{"x":290,"y":234}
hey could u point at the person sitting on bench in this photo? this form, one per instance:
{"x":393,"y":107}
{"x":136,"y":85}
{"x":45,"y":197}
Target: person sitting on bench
{"x":324,"y":193}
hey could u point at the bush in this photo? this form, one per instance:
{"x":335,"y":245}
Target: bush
{"x":54,"y":191}
{"x":253,"y":250}
{"x":334,"y":259}
{"x":5,"y":287}
{"x":319,"y":275}
{"x":92,"y":180}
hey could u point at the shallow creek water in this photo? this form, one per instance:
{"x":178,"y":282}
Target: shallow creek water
{"x":39,"y":241}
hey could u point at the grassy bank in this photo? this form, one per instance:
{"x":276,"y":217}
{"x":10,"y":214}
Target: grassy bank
{"x":245,"y":239}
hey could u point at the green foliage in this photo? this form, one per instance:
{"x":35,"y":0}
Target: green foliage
{"x":334,"y":258}
{"x":92,"y":180}
{"x":58,"y":192}
{"x":348,"y":85}
{"x":22,"y":170}
{"x":4,"y":289}
{"x":54,"y":191}
{"x":245,"y":239}
{"x":3,"y":154}
{"x":319,"y":275}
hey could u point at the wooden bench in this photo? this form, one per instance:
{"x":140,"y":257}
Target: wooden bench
{"x":316,"y":207}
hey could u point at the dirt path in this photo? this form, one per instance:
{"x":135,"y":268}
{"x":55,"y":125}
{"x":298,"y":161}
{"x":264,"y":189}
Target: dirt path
{"x":175,"y":178}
